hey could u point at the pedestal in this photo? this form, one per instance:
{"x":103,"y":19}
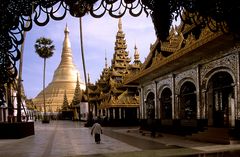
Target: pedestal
{"x":16,"y":130}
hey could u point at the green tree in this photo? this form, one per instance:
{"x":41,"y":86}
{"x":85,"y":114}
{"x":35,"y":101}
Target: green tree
{"x":77,"y":98}
{"x":44,"y":47}
{"x":77,"y":95}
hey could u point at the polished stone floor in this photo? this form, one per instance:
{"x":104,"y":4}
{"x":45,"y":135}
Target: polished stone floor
{"x":66,"y":138}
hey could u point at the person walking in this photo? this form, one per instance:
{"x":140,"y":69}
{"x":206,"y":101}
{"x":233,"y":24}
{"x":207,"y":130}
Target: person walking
{"x":96,"y":130}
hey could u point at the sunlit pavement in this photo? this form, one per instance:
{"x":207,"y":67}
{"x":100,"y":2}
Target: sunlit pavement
{"x":66,"y":138}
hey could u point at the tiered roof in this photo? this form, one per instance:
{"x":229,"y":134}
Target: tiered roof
{"x":109,"y":89}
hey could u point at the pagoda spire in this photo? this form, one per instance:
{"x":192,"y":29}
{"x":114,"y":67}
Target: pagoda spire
{"x":106,"y":65}
{"x":136,"y":54}
{"x":120,"y":24}
{"x":66,"y":65}
{"x":77,"y":80}
{"x":66,"y":42}
{"x":121,"y":60}
{"x":66,"y":58}
{"x":88,"y":79}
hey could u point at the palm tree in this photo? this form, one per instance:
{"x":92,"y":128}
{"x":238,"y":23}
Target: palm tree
{"x":44,"y":48}
{"x":90,"y":116}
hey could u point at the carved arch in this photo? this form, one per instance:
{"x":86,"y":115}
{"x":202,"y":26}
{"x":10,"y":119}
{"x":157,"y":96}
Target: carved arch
{"x":165,"y":102}
{"x":182,"y":81}
{"x":150,"y":105}
{"x":160,"y":90}
{"x":188,"y":100}
{"x":212,"y":72}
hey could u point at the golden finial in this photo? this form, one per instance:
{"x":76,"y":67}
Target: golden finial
{"x":120,"y":23}
{"x":66,"y":30}
{"x":66,"y":42}
{"x":88,"y":78}
{"x":106,"y":65}
{"x":136,"y":53}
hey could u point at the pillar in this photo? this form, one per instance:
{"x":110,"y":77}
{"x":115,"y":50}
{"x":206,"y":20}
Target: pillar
{"x":108,"y":113}
{"x":199,"y":116}
{"x":120,"y":113}
{"x":142,"y":104}
{"x":204,"y":104}
{"x":155,"y":101}
{"x":138,"y":114}
{"x":1,"y":114}
{"x":231,"y":111}
{"x":237,"y":88}
{"x":174,"y":114}
{"x":113,"y":110}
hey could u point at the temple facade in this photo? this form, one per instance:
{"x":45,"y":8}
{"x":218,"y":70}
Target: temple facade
{"x":116,"y":103}
{"x":64,"y":80}
{"x":190,"y":82}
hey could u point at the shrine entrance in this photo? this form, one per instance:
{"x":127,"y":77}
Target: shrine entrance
{"x":188,"y":101}
{"x":150,"y":107}
{"x":166,"y":104}
{"x":221,"y":100}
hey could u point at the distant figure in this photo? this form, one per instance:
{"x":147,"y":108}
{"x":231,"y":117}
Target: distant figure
{"x":96,"y":131}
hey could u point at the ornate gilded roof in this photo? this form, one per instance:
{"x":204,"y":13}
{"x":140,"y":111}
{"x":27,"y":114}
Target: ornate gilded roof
{"x":182,"y":41}
{"x":174,"y":41}
{"x":112,"y":92}
{"x":123,"y":100}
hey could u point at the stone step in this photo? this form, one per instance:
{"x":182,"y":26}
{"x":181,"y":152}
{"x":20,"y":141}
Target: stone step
{"x":213,"y":135}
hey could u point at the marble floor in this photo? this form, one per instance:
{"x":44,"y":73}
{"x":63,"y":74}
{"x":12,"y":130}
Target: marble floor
{"x":66,"y":138}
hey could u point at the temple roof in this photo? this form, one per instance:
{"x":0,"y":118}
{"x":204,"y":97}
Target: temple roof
{"x":186,"y":45}
{"x":110,"y":91}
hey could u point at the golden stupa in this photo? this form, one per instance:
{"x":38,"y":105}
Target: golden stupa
{"x":64,"y":79}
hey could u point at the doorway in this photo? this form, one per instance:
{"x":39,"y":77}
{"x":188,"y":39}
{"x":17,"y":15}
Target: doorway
{"x":188,"y":101}
{"x":150,"y":107}
{"x":220,"y":95}
{"x":166,"y":104}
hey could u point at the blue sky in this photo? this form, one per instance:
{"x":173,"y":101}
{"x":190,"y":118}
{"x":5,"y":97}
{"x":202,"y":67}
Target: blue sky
{"x":99,"y":36}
